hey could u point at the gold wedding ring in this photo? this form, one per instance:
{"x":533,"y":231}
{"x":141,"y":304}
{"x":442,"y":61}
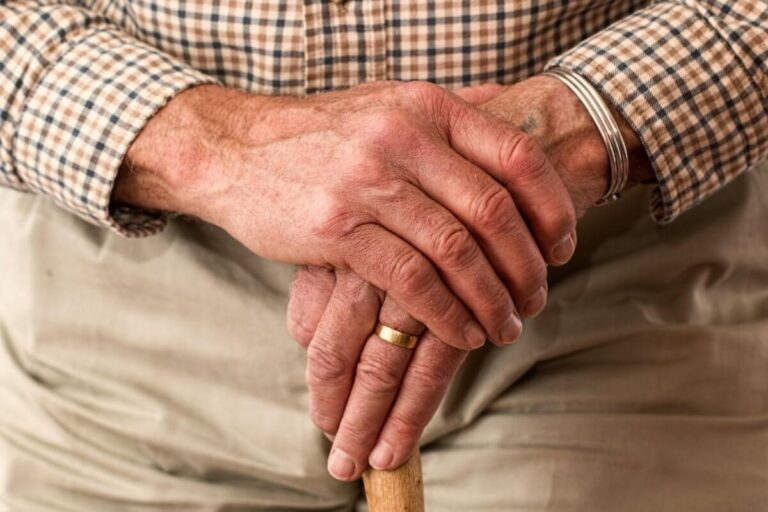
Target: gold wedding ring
{"x":395,"y":337}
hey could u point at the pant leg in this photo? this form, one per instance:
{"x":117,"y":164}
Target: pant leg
{"x":153,"y":374}
{"x":642,"y":386}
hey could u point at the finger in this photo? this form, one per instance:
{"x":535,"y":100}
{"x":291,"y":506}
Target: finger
{"x":435,"y":232}
{"x":477,"y":94}
{"x":311,"y":289}
{"x":333,"y":353}
{"x":517,"y":162}
{"x":489,"y":211}
{"x":377,"y":379}
{"x":426,"y":380}
{"x":391,"y":264}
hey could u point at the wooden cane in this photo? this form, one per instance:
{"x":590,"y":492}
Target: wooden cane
{"x":398,"y":490}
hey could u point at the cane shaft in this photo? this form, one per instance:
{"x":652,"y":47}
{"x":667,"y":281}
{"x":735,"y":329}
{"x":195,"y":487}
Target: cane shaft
{"x":398,"y":490}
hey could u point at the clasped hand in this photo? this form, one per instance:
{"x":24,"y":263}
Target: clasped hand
{"x":484,"y":206}
{"x":403,"y":203}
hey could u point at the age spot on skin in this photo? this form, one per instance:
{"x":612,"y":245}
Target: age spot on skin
{"x":529,"y":125}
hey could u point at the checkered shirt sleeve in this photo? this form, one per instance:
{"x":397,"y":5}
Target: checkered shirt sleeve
{"x":691,"y":78}
{"x":74,"y":93}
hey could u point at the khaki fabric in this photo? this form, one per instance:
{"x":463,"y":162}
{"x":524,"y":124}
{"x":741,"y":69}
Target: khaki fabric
{"x":157,"y":374}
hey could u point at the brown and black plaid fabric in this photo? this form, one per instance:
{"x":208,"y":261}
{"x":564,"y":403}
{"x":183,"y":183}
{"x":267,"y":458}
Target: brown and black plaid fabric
{"x":79,"y":79}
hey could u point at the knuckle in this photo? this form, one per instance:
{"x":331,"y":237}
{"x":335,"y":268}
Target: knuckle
{"x":454,"y":244}
{"x":299,"y":331}
{"x":509,"y":223}
{"x":436,"y":376}
{"x":434,"y":98}
{"x":392,"y":193}
{"x":326,"y":366}
{"x":552,"y":226}
{"x":373,"y":176}
{"x":377,"y":377}
{"x":335,"y":219}
{"x":423,"y":90}
{"x":303,"y":277}
{"x":405,"y":427}
{"x":357,"y":293}
{"x":412,"y":272}
{"x":324,"y":421}
{"x":494,"y":208}
{"x":444,"y":311}
{"x":534,"y":272}
{"x":497,"y":303}
{"x":387,"y":127}
{"x":521,"y":156}
{"x":563,"y":221}
{"x":508,"y":150}
{"x":366,"y":166}
{"x":356,"y":433}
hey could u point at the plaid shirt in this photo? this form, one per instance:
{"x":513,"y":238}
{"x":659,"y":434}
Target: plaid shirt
{"x":79,"y":79}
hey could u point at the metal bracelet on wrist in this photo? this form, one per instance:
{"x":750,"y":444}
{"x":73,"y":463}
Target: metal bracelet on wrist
{"x":618,"y":157}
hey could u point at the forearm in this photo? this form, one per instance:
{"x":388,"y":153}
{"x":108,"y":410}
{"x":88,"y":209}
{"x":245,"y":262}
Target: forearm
{"x":179,"y":161}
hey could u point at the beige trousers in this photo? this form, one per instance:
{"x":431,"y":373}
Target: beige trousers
{"x":158,"y":375}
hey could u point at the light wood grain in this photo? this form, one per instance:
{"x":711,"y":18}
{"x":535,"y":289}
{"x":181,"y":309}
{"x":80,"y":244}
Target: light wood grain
{"x":399,"y":490}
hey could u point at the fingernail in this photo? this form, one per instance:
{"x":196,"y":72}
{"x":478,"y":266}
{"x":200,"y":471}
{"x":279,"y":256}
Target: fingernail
{"x":381,"y":456}
{"x":511,"y":329}
{"x":535,"y":304}
{"x":341,"y":465}
{"x":564,"y":250}
{"x":474,"y":334}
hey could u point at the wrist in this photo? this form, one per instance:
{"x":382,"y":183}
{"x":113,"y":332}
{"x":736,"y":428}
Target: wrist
{"x":178,"y":162}
{"x":556,"y":118}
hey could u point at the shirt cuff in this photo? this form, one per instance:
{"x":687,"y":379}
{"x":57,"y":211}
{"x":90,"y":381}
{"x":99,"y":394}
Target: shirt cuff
{"x":686,"y":93}
{"x":82,"y":115}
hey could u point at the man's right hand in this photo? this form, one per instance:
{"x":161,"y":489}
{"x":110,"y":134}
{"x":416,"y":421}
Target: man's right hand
{"x":400,"y":183}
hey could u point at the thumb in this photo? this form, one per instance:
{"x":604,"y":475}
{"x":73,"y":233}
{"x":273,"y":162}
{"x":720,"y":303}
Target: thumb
{"x":477,"y":94}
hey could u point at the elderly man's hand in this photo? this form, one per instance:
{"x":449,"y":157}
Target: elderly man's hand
{"x":355,"y":378}
{"x":409,"y":186}
{"x":369,"y":393}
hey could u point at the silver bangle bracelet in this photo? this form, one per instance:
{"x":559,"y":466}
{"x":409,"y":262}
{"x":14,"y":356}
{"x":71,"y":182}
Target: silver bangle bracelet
{"x":618,"y":157}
